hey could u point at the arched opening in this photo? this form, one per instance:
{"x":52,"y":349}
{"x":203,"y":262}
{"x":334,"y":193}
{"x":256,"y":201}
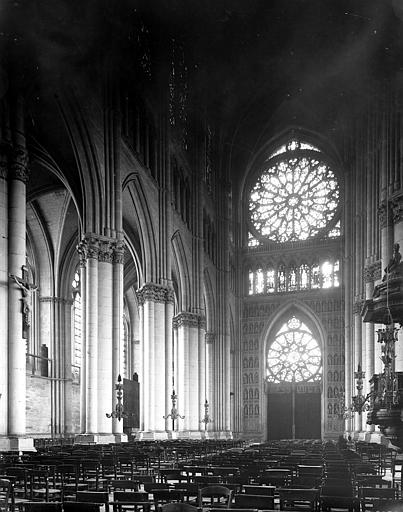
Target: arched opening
{"x":293,"y":381}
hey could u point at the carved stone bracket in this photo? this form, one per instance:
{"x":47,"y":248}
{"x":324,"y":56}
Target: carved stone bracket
{"x":397,"y":209}
{"x":357,"y":306}
{"x":187,"y":319}
{"x":373,"y":272}
{"x":385,"y":214}
{"x":155,"y":293}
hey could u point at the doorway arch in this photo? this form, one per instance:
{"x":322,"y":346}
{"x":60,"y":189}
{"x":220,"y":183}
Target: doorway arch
{"x":294,"y":353}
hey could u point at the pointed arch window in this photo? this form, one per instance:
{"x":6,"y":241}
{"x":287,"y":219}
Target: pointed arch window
{"x":294,"y":355}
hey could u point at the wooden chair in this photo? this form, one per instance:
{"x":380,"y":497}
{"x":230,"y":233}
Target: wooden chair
{"x":371,"y":495}
{"x":299,"y":499}
{"x":178,"y":507}
{"x":92,"y":475}
{"x":338,"y":497}
{"x":266,"y":490}
{"x":68,"y":479}
{"x":43,"y":506}
{"x":43,"y":485}
{"x":99,"y":497}
{"x":190,"y":491}
{"x":215,"y":494}
{"x":257,"y":501}
{"x":167,"y":475}
{"x":129,"y":500}
{"x":123,"y":485}
{"x":6,"y":495}
{"x":162,"y":496}
{"x":76,"y":506}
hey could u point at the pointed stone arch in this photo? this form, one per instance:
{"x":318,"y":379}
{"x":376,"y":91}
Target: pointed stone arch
{"x":182,"y":272}
{"x":145,"y":227}
{"x":270,"y":329}
{"x":209,"y":301}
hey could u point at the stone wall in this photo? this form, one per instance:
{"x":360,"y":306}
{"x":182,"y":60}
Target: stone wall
{"x":38,"y":405}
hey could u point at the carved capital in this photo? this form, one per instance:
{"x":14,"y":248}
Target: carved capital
{"x":210,"y":338}
{"x":105,"y":251}
{"x":152,"y":292}
{"x":88,"y":247}
{"x":385,"y":214}
{"x":118,"y":255}
{"x":19,"y":163}
{"x":397,"y":209}
{"x":373,"y":272}
{"x":187,"y":319}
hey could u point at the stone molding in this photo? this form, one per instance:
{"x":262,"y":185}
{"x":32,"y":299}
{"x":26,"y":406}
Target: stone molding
{"x":153,"y":292}
{"x":56,"y":300}
{"x":187,"y":319}
{"x":373,"y":272}
{"x":209,"y":338}
{"x":19,"y":163}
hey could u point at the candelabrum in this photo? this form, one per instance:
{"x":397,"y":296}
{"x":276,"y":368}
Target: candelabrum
{"x":119,"y":412}
{"x":206,"y":419}
{"x":174,"y":414}
{"x":388,"y":393}
{"x":360,"y":403}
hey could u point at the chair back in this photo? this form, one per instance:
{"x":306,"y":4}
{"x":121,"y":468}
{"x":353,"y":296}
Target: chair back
{"x":178,"y":507}
{"x":215,"y":491}
{"x":43,"y":506}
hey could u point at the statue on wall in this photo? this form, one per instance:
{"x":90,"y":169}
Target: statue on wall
{"x":26,"y":289}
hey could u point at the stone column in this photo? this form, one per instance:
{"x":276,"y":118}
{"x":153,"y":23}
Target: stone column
{"x":105,"y":384}
{"x":188,"y":325}
{"x":3,"y":293}
{"x":169,"y":362}
{"x":18,"y":295}
{"x":117,"y":327}
{"x":153,"y":300}
{"x":83,"y":369}
{"x":90,"y":248}
{"x":210,"y":340}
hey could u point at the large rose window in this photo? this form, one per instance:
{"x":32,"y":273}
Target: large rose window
{"x":295,"y":198}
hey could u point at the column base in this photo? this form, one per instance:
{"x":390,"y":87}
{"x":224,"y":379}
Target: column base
{"x":223,"y":434}
{"x":17,"y":444}
{"x":98,"y":438}
{"x":153,"y":436}
{"x":190,"y":434}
